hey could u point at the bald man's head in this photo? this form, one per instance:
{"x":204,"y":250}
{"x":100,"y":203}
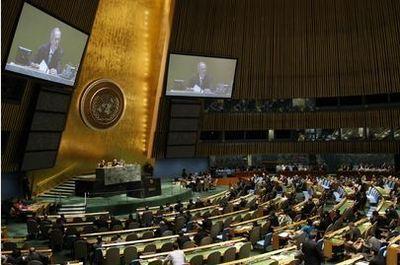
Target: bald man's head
{"x":202,"y":69}
{"x":55,"y":38}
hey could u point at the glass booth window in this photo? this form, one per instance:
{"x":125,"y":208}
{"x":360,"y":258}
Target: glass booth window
{"x":396,"y":134}
{"x":213,"y":106}
{"x":378,"y":133}
{"x":349,"y":134}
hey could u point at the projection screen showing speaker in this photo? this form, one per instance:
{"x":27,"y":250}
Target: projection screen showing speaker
{"x":200,"y":76}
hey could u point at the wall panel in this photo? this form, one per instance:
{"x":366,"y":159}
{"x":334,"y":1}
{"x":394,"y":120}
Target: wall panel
{"x":291,"y":49}
{"x":386,"y":118}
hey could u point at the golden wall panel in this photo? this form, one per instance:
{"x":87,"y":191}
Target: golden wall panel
{"x":126,"y":46}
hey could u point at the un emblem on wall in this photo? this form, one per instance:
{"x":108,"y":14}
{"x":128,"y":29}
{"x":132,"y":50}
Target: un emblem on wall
{"x":102,"y":104}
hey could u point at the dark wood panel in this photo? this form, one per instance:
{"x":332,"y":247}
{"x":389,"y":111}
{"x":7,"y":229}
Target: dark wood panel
{"x":289,"y":48}
{"x":386,"y":118}
{"x":14,"y":120}
{"x":218,"y":149}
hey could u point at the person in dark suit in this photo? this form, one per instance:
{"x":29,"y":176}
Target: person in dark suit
{"x":51,"y":53}
{"x":312,"y":254}
{"x":200,"y":80}
{"x":182,"y":239}
{"x":33,"y":255}
{"x":199,"y":236}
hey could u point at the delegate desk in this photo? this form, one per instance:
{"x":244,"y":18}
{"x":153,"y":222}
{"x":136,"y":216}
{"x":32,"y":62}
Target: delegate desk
{"x":335,"y":238}
{"x":212,"y":209}
{"x":343,"y":205}
{"x":393,"y":251}
{"x":246,"y":226}
{"x":290,"y":231}
{"x":70,"y":217}
{"x":213,"y":198}
{"x":141,"y":244}
{"x":280,"y":256}
{"x":30,"y":71}
{"x":385,"y":193}
{"x":46,"y":252}
{"x":107,"y":236}
{"x":383,"y":205}
{"x":351,"y":260}
{"x":204,"y":251}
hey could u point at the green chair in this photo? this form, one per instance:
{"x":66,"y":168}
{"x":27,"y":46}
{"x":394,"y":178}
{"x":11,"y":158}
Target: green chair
{"x":188,"y":244}
{"x":132,"y":237}
{"x":148,"y":234}
{"x":214,"y":258}
{"x":229,"y":255}
{"x":206,"y":241}
{"x":151,"y":248}
{"x":112,"y":256}
{"x":167,"y":247}
{"x":130,"y":253}
{"x":196,"y":260}
{"x":244,"y":251}
{"x":254,"y":235}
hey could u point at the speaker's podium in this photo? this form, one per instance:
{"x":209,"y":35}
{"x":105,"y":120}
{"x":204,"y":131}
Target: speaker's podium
{"x":110,"y":181}
{"x":148,"y":187}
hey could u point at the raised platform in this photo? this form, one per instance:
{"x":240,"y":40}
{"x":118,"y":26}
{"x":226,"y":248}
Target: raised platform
{"x":122,"y":204}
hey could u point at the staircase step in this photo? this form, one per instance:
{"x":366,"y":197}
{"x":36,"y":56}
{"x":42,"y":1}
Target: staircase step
{"x":63,"y":190}
{"x":67,"y":213}
{"x":65,"y":187}
{"x":46,"y":195}
{"x":69,"y":182}
{"x":74,"y":205}
{"x":62,"y":209}
{"x":59,"y":192}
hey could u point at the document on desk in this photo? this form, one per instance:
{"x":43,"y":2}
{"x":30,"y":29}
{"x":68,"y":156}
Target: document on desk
{"x":43,"y":67}
{"x":196,"y":88}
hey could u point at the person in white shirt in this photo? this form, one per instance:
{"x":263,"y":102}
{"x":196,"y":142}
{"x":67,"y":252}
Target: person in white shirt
{"x":176,"y":257}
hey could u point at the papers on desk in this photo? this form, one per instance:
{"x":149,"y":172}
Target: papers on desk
{"x":282,"y":256}
{"x":196,"y":88}
{"x":43,"y":67}
{"x":362,"y":263}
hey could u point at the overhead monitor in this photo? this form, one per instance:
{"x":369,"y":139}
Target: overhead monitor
{"x":200,"y":76}
{"x":46,"y":48}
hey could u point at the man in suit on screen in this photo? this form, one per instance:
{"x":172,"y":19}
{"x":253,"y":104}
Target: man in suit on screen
{"x":51,"y":53}
{"x":200,"y":81}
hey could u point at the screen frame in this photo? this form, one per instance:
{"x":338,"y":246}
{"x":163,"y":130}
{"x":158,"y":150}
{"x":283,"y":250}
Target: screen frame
{"x":15,"y":26}
{"x":198,"y":55}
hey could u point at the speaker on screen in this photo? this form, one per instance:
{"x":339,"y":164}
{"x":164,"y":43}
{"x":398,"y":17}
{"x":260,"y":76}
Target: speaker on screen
{"x":200,"y":76}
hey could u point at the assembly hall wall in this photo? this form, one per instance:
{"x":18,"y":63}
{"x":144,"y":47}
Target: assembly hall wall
{"x":293,"y":49}
{"x":126,"y":45}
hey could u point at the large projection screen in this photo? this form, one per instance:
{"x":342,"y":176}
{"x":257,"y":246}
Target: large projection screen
{"x":200,"y":76}
{"x":46,"y":48}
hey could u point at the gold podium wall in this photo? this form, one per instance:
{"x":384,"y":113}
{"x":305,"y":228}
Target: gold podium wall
{"x":128,"y":45}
